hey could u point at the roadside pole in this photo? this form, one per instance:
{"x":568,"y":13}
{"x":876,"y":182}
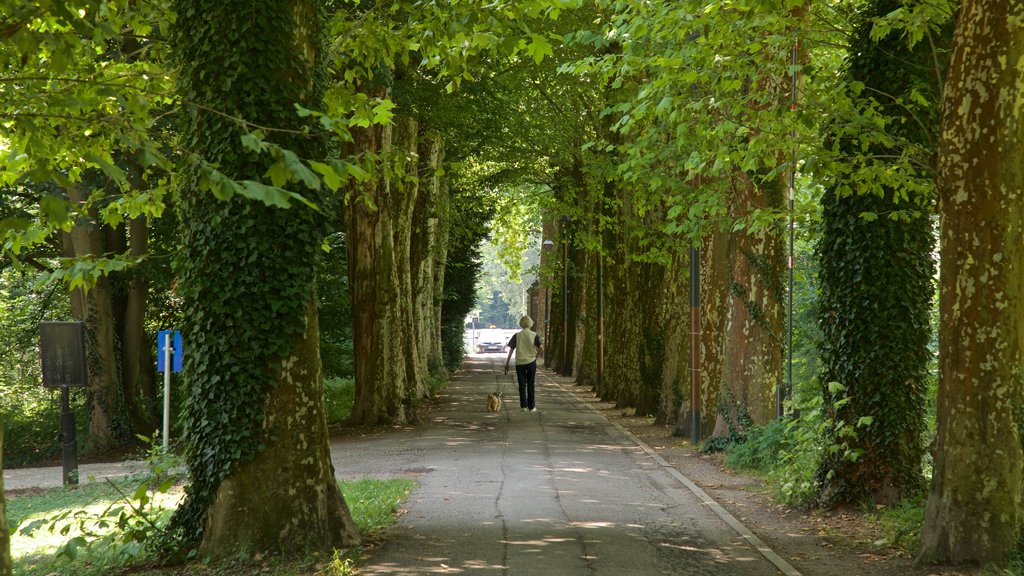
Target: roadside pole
{"x":168,"y":359}
{"x":167,"y":390}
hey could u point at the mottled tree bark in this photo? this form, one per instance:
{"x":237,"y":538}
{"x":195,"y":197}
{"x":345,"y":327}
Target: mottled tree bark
{"x":585,"y":355}
{"x":753,"y":362}
{"x":675,"y":369}
{"x":974,"y":506}
{"x":439,"y":254}
{"x":108,"y":421}
{"x":425,"y":227}
{"x":380,"y":372}
{"x":714,"y":301}
{"x":287,"y":497}
{"x":404,"y":187}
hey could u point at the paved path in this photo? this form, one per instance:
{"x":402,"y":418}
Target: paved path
{"x":560,"y":492}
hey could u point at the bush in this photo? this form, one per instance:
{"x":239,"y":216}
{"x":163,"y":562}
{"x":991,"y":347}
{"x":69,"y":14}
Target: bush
{"x":339,"y":395}
{"x":337,"y":357}
{"x":759,"y":452}
{"x":31,"y":421}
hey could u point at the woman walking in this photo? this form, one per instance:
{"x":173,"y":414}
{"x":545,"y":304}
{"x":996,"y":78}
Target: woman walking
{"x":526,"y":345}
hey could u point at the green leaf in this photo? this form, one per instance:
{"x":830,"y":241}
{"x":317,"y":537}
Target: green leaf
{"x":538,"y":48}
{"x":299,"y":170}
{"x":331,"y":177}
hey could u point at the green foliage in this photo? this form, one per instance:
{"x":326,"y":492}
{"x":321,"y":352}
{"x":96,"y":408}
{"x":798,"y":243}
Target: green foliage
{"x":759,"y":452}
{"x":339,"y":395}
{"x":97,"y":508}
{"x":336,"y":352}
{"x":114,"y":532}
{"x":83,"y":88}
{"x":877,"y":274}
{"x":469,"y":216}
{"x":246,"y":269}
{"x":901,"y":524}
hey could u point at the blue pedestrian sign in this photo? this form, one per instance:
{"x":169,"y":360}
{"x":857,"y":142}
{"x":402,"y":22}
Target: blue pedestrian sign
{"x":176,"y":350}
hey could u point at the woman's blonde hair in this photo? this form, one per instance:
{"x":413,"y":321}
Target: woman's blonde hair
{"x":525,"y":322}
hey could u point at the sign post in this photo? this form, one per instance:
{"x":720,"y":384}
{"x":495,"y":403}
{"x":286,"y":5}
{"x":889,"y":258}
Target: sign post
{"x":168,"y":360}
{"x":62,"y":352}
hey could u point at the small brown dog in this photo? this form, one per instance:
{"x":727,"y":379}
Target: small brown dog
{"x":494,"y":402}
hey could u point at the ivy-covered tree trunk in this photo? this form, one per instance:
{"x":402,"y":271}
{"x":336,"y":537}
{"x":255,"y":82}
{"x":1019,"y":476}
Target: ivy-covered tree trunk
{"x":876,"y":291}
{"x":5,"y":535}
{"x":974,"y":506}
{"x":622,"y":300}
{"x":753,"y":362}
{"x":651,"y":349}
{"x":257,"y":449}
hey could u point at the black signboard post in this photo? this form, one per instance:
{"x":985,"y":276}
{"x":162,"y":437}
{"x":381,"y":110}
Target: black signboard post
{"x":62,"y":349}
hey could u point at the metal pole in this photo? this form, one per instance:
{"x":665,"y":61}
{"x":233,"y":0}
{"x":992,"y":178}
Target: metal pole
{"x":694,"y":345}
{"x":566,"y":371}
{"x":600,"y":321}
{"x":167,"y":388}
{"x":68,"y":452}
{"x":788,"y":392}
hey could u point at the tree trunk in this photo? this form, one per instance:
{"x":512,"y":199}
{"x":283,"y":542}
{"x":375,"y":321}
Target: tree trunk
{"x":623,"y":336}
{"x":257,"y":448}
{"x":714,"y":301}
{"x":439,"y":255}
{"x":651,"y":350}
{"x":5,"y":535}
{"x":380,"y":372}
{"x":136,"y":348}
{"x":876,"y":287}
{"x":974,"y":506}
{"x":425,"y":230}
{"x":674,"y":392}
{"x":108,"y":424}
{"x":404,"y":189}
{"x":586,"y":349}
{"x":753,"y":365}
{"x":581,"y":313}
{"x":287,"y":496}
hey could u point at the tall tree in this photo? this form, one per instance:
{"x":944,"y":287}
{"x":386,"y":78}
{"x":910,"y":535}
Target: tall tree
{"x":974,"y":506}
{"x":877,"y":278}
{"x":255,"y":416}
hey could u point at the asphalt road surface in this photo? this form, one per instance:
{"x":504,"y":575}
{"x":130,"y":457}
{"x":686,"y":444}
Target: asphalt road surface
{"x":558,"y":492}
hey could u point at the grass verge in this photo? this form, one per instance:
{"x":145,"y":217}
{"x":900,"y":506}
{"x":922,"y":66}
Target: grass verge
{"x":71,"y":513}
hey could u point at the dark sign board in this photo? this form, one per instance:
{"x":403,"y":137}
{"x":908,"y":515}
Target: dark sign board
{"x":62,"y":348}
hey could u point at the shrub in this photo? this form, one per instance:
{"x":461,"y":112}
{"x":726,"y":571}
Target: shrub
{"x":339,"y":395}
{"x":759,"y":452}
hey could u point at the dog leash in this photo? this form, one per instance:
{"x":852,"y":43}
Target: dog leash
{"x":500,"y":389}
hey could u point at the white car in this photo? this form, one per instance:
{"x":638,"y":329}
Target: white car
{"x":491,"y":340}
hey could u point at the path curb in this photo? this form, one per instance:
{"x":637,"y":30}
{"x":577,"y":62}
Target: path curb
{"x":770,"y":555}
